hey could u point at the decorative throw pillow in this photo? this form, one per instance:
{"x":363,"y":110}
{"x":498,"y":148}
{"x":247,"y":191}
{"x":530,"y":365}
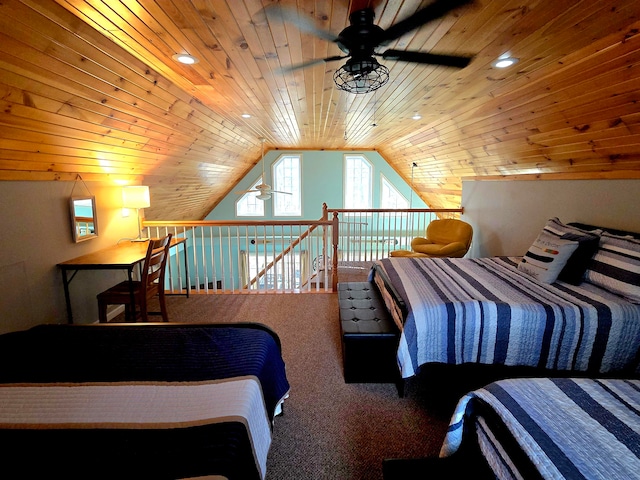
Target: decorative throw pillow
{"x":547,"y":257}
{"x":575,"y":268}
{"x":616,"y":266}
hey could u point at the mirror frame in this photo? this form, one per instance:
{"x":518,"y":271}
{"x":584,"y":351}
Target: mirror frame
{"x":76,"y":221}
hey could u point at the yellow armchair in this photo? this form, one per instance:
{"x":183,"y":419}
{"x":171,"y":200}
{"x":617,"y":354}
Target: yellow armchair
{"x":444,"y":238}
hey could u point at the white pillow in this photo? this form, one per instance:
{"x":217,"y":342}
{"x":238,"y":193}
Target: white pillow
{"x":547,"y":257}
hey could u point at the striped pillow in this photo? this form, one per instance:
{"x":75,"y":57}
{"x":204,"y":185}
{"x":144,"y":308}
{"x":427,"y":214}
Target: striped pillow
{"x":547,"y":257}
{"x":616,"y":266}
{"x":575,"y":268}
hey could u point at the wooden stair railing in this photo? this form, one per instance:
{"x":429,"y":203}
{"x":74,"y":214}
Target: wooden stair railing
{"x":189,"y":229}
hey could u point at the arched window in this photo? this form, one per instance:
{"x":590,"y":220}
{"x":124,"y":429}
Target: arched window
{"x":248,"y":205}
{"x":286,"y":178}
{"x":390,"y":197}
{"x":358,"y":178}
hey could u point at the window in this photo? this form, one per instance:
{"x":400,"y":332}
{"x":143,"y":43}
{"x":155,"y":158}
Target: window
{"x":358,"y":174}
{"x":286,"y":178}
{"x":248,"y":205}
{"x":390,"y":197}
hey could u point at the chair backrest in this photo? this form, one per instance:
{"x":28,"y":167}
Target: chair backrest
{"x":449,"y":230}
{"x":155,"y":264}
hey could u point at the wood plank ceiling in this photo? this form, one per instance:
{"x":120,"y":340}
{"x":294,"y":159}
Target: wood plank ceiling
{"x":89,"y":87}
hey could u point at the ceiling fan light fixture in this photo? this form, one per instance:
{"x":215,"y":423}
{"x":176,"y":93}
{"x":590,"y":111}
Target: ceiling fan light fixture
{"x":263,"y":196}
{"x":361,"y":76}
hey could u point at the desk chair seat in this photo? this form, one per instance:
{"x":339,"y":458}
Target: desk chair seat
{"x":150,"y":285}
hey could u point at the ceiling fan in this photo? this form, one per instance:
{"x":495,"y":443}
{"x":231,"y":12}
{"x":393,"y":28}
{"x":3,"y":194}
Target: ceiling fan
{"x":362,"y":73}
{"x":264,"y":191}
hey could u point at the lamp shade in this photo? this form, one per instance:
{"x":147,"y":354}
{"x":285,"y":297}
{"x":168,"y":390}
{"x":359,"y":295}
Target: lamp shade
{"x":136,"y":197}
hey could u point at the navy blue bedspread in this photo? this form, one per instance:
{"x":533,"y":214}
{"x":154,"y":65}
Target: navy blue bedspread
{"x":139,"y":352}
{"x":147,"y":353}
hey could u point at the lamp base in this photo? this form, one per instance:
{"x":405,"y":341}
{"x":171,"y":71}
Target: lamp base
{"x":140,"y":240}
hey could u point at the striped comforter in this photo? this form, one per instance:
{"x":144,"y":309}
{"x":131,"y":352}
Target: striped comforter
{"x":484,"y":310}
{"x":553,"y":428}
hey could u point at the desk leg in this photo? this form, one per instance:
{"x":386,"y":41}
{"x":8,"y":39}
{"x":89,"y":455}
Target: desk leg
{"x":67,"y":299}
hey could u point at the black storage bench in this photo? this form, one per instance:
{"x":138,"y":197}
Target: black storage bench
{"x":369,"y":335}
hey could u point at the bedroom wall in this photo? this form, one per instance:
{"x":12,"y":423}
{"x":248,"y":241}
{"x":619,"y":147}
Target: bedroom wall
{"x":508,"y":215}
{"x":36,"y":235}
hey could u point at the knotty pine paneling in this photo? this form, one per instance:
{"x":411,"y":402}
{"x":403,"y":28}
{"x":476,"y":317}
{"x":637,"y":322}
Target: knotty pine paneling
{"x":89,"y":87}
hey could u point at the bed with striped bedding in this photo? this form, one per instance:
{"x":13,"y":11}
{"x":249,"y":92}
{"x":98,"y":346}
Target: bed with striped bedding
{"x":552,"y":428}
{"x":485,"y":310}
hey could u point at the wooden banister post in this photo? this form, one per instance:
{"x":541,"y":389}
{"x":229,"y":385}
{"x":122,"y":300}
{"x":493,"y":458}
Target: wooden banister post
{"x":334,"y":260}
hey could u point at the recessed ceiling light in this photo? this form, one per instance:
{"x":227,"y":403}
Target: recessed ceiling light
{"x":184,"y":58}
{"x":245,"y":115}
{"x":505,"y":62}
{"x":417,"y":116}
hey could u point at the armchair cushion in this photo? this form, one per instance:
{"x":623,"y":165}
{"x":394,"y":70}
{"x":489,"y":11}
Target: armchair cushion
{"x":406,"y":253}
{"x":454,"y":249}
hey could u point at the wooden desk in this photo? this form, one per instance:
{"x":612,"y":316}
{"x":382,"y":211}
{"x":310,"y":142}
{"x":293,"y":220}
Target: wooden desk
{"x":124,"y":256}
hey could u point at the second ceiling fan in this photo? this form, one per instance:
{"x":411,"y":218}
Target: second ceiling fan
{"x":263,"y":190}
{"x":360,"y":42}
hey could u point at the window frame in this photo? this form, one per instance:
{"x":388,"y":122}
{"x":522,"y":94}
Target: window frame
{"x":383,"y":180}
{"x":244,"y":196}
{"x":295,"y":190}
{"x":346,"y":179}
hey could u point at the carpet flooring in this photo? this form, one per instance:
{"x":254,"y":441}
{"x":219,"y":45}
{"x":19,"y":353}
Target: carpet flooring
{"x":329,"y":429}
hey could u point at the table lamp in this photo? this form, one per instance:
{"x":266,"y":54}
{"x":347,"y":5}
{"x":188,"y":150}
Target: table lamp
{"x":136,"y":197}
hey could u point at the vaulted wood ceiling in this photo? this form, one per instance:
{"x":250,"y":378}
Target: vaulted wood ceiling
{"x":89,"y":87}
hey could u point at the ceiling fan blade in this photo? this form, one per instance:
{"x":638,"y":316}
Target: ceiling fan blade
{"x":304,"y":24}
{"x":278,"y":191}
{"x":310,"y":63}
{"x":457,"y":61}
{"x":436,"y":10}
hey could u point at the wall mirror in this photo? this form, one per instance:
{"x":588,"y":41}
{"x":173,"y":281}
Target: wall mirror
{"x":84,"y":222}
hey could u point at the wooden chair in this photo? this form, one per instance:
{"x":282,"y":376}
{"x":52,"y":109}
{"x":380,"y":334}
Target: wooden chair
{"x":150,"y":285}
